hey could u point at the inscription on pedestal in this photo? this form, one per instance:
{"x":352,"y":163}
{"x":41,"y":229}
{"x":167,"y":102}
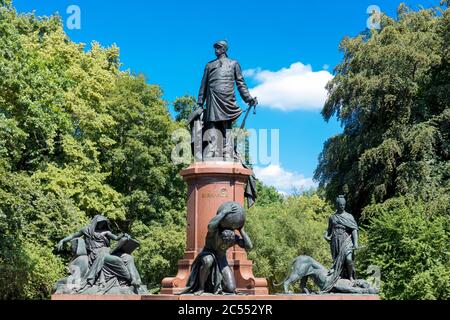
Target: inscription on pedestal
{"x":222,"y":193}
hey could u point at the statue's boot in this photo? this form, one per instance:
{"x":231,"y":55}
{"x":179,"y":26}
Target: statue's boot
{"x":214,"y":139}
{"x":228,"y":147}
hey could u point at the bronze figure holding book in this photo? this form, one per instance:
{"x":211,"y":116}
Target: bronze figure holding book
{"x":95,"y":268}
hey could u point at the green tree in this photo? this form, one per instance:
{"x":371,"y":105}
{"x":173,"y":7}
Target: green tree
{"x":78,"y":137}
{"x":267,"y":195}
{"x":31,"y":221}
{"x":138,"y":163}
{"x":408,"y":240}
{"x":183,"y":106}
{"x":5,"y":3}
{"x":390,"y":93}
{"x":283,"y":230}
{"x":392,"y":160}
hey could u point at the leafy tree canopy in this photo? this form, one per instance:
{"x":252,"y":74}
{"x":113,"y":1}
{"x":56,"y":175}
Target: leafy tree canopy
{"x":280,"y":231}
{"x":391,"y":94}
{"x":78,"y":137}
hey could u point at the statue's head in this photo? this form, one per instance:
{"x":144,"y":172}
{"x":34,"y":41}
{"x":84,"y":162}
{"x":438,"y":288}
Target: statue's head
{"x":101,"y":223}
{"x":228,"y":236}
{"x":340,"y":203}
{"x":221,"y":47}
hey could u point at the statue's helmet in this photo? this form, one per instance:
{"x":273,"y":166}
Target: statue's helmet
{"x":221,"y":43}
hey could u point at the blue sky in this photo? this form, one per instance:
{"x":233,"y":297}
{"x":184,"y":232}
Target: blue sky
{"x":171,"y":41}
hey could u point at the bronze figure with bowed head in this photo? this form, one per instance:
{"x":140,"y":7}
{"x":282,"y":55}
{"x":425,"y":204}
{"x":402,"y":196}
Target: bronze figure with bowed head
{"x":210,"y":270}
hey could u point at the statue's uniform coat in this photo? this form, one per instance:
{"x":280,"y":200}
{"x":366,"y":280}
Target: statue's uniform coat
{"x":217,"y":89}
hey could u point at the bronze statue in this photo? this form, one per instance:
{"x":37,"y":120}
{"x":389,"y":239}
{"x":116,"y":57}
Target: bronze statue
{"x":210,"y":270}
{"x":217,"y":91}
{"x":328,"y":281}
{"x":211,"y":134}
{"x":342,"y":233}
{"x":95,"y":268}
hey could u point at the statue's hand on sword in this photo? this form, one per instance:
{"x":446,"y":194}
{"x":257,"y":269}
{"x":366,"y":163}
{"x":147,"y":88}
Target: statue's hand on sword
{"x":253,"y":102}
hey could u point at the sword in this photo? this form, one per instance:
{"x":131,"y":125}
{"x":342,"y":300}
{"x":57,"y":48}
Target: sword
{"x":248,"y":111}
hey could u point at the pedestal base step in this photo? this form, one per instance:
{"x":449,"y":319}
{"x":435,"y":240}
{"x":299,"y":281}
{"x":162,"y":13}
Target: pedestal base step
{"x":156,"y":297}
{"x":298,"y":297}
{"x":74,"y":297}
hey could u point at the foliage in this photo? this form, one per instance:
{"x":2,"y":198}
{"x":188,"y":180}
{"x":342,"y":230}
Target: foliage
{"x":139,"y":164}
{"x":5,"y":3}
{"x":390,"y":93}
{"x":78,"y":137}
{"x":42,"y":268}
{"x":408,"y":240}
{"x":33,"y":271}
{"x":183,"y":106}
{"x":283,"y":230}
{"x":392,"y":160}
{"x":267,"y":195}
{"x":31,"y":220}
{"x":161,"y":247}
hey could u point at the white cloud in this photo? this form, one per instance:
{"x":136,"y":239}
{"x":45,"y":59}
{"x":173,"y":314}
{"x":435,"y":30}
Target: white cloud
{"x":295,"y":88}
{"x":283,"y":180}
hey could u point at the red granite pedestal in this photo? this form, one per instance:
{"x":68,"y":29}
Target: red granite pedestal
{"x":210,"y":184}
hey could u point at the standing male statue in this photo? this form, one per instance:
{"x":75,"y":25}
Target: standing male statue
{"x":217,"y":90}
{"x":342,"y":233}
